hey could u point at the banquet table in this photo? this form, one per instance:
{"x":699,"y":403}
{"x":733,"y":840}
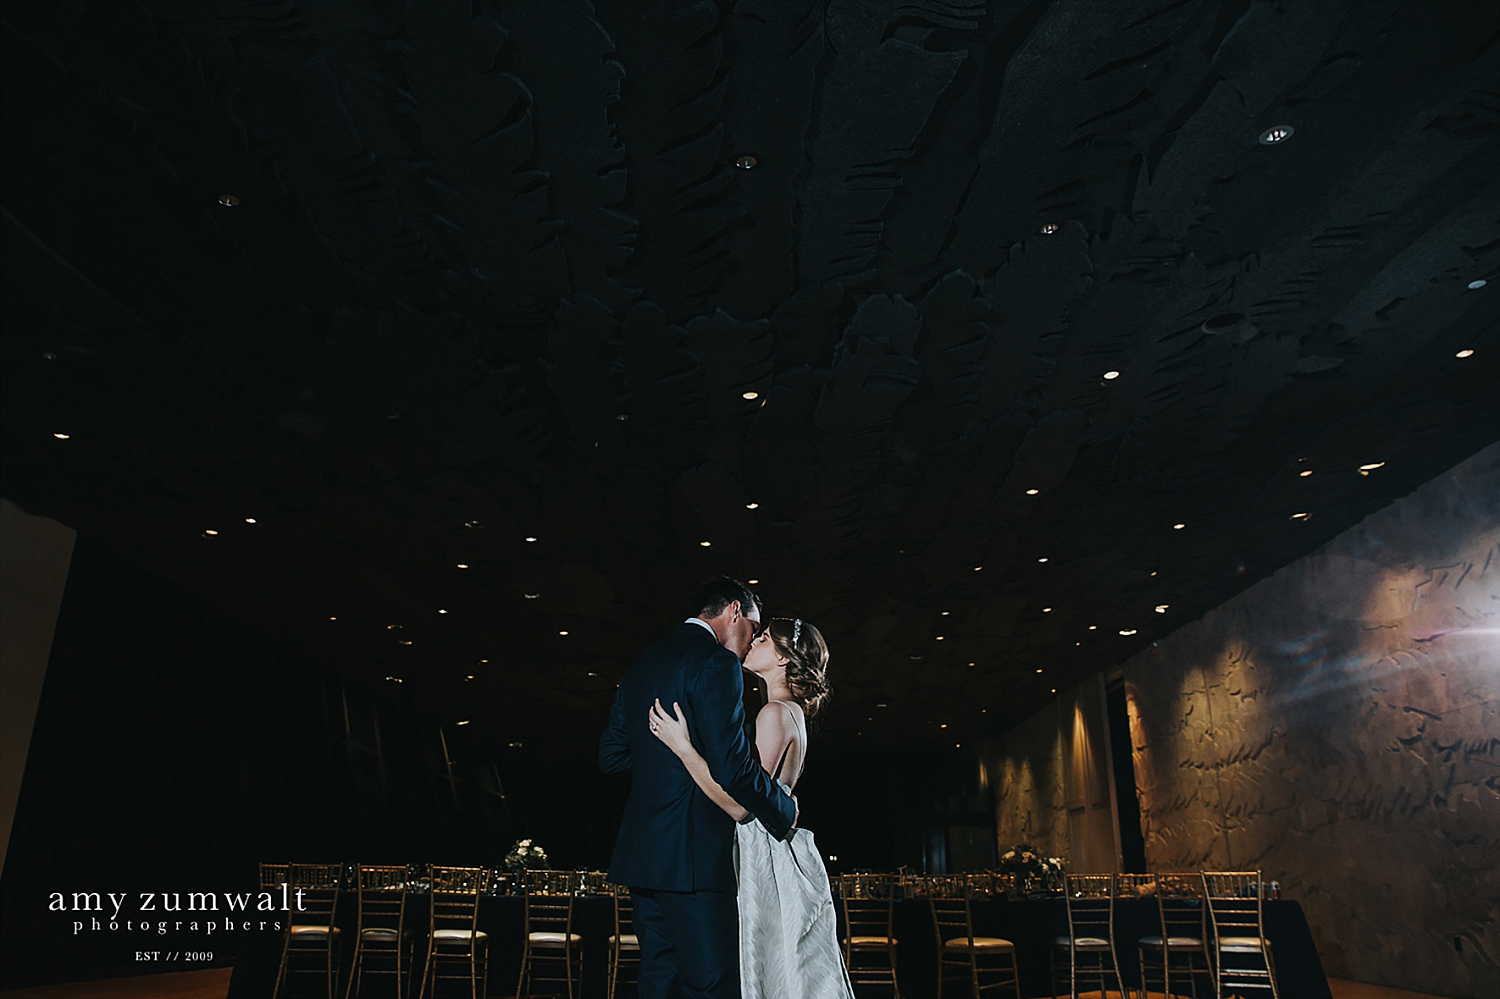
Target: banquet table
{"x":1031,"y":924}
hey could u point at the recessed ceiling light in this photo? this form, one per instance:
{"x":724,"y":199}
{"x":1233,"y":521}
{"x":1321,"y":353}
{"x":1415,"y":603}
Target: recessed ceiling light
{"x":704,"y":544}
{"x":746,"y":162}
{"x":943,"y":725}
{"x":395,"y":679}
{"x":463,"y":565}
{"x":622,"y":416}
{"x":464,"y":722}
{"x":484,"y":660}
{"x":530,"y":538}
{"x":1032,"y":492}
{"x":1477,"y":283}
{"x":1110,"y":376}
{"x":1048,"y":229}
{"x":1372,"y":466}
{"x":228,"y":200}
{"x":1041,"y":560}
{"x":441,"y":611}
{"x":469,"y":677}
{"x":1093,"y":627}
{"x":1276,"y":134}
{"x":62,"y":437}
{"x":1153,"y":572}
{"x":592,"y":673}
{"x":474,"y":524}
{"x":752,"y":582}
{"x":1303,"y":475}
{"x":47,"y":355}
{"x":752,"y":506}
{"x":1464,"y":353}
{"x":749,"y":395}
{"x":1038,"y":671}
{"x":249,"y":520}
{"x":1046,"y":610}
{"x":210,"y":533}
{"x":403,"y":641}
{"x":880,"y":705}
{"x":978,"y":567}
{"x":940,"y":638}
{"x":1301,"y":516}
{"x":562,"y":632}
{"x":1127,"y":632}
{"x":1178,"y":527}
{"x":531,"y":596}
{"x":333,"y":619}
{"x":946,"y":613}
{"x":971,"y":665}
{"x":1162,"y":608}
{"x":1054,"y":690}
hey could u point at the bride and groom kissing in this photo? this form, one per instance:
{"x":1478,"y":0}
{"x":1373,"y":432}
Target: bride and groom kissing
{"x":730,"y":897}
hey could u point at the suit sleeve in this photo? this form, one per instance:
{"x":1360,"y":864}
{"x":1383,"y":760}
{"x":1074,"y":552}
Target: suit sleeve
{"x":614,"y":744}
{"x":717,"y":724}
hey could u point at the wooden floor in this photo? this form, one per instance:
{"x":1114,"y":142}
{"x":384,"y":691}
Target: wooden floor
{"x":213,"y":983}
{"x":209,"y":983}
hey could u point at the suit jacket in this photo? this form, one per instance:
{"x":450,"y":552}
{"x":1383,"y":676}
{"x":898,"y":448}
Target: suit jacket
{"x":672,"y":836}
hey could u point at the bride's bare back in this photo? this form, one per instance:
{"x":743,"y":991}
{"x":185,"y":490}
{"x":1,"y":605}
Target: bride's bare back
{"x":781,"y":740}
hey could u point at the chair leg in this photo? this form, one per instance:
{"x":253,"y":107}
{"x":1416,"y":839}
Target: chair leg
{"x":281,"y":971}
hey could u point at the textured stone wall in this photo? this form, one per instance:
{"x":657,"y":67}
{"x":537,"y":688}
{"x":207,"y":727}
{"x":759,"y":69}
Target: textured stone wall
{"x":1338,"y":726}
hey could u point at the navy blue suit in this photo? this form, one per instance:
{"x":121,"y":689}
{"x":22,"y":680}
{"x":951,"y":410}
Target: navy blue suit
{"x":675,"y":847}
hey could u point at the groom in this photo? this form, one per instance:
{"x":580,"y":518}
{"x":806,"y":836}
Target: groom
{"x":675,"y":848}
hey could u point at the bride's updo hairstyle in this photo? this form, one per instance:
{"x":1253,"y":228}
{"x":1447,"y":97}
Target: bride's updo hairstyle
{"x":806,"y":661}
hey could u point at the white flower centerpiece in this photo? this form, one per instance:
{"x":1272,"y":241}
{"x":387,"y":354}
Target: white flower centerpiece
{"x":1031,"y":871}
{"x":525,"y":856}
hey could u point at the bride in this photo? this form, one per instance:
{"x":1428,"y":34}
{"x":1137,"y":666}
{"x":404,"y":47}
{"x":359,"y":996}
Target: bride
{"x":788,"y":930}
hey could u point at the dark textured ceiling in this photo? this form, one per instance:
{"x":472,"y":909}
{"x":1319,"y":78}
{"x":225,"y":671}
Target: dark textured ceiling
{"x":508,"y":271}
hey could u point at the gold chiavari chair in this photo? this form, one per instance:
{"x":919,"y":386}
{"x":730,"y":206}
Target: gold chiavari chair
{"x":624,"y":947}
{"x":1088,"y":951}
{"x":869,"y":937}
{"x":988,"y":963}
{"x":453,"y":933}
{"x":1241,"y":952}
{"x":382,"y":932}
{"x":549,"y":937}
{"x":1180,"y":951}
{"x":313,"y":891}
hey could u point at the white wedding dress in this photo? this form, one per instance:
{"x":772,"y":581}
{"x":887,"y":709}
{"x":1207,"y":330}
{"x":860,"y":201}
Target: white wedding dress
{"x":789,"y":946}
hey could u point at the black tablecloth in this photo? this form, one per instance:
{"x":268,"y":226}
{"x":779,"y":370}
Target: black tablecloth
{"x":1030,"y":924}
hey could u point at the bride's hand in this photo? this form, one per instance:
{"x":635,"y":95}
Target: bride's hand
{"x":673,"y":731}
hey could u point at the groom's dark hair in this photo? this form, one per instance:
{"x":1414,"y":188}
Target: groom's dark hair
{"x":720,"y":592}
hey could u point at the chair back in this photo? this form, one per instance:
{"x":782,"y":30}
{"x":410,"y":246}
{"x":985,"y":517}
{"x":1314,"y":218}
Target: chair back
{"x":1091,"y":905}
{"x":1234,"y":904}
{"x":624,"y":910}
{"x":1179,"y":903}
{"x":382,"y":897}
{"x":950,"y":919}
{"x":314,"y":890}
{"x":868,"y":907}
{"x":455,"y":897}
{"x":550,"y":912}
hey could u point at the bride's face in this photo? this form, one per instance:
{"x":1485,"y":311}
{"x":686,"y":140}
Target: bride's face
{"x":763,"y":660}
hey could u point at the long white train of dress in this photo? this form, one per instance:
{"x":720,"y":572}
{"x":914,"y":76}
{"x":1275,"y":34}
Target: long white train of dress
{"x":789,"y":947}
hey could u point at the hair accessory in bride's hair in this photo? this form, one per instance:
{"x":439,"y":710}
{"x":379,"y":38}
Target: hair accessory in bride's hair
{"x":796,"y":631}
